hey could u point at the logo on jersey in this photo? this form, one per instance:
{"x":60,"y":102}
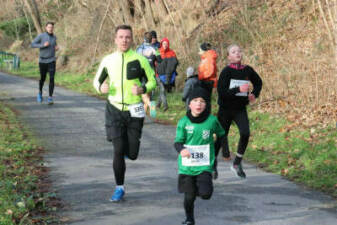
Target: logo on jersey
{"x":189,"y":129}
{"x":205,"y":134}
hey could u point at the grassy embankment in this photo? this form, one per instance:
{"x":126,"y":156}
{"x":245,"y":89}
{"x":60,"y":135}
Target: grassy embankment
{"x":24,"y":196}
{"x":307,"y":156}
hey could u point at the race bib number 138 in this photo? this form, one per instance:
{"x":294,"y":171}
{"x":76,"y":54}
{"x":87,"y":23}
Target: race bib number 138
{"x":199,"y":155}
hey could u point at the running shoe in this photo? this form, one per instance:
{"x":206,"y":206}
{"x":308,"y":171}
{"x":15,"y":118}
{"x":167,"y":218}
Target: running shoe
{"x":50,"y":101}
{"x":39,"y":98}
{"x":153,"y":111}
{"x":187,"y":222}
{"x":238,"y":171}
{"x":118,"y":195}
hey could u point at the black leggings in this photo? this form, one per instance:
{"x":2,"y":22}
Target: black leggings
{"x":125,"y":132}
{"x":44,"y":69}
{"x":124,"y":146}
{"x":193,"y":186}
{"x":240,"y":117}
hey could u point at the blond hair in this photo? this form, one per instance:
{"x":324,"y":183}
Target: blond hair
{"x":231,"y":46}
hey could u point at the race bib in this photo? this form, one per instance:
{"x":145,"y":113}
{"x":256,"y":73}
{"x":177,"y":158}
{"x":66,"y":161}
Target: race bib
{"x":137,"y":110}
{"x":199,"y":155}
{"x":238,"y":83}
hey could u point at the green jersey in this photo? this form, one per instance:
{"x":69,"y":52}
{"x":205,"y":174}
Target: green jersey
{"x":198,"y":139}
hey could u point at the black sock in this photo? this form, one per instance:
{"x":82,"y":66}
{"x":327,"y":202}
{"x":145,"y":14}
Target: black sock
{"x":189,"y":206}
{"x":237,"y":160}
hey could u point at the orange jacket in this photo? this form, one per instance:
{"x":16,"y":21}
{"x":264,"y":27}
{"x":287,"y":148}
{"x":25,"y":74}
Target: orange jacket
{"x":207,"y":68}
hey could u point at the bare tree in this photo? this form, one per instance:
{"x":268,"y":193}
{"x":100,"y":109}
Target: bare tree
{"x":124,"y":5}
{"x":329,"y":16}
{"x":140,"y":9}
{"x":100,"y":29}
{"x":162,"y":6}
{"x":149,"y":12}
{"x":34,"y":13}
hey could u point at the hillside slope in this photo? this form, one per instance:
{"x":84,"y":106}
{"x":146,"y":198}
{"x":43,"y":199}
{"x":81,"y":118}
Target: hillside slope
{"x":285,"y":41}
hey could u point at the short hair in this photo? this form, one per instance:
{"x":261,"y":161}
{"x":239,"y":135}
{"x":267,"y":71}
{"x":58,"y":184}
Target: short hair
{"x":231,"y":46}
{"x":52,"y":23}
{"x":123,"y":27}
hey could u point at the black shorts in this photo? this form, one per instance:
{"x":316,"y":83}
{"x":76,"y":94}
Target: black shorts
{"x":119,"y":123}
{"x":201,"y":184}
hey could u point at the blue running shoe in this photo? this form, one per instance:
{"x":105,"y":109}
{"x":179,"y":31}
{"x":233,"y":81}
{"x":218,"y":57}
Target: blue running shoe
{"x":50,"y":101}
{"x":118,"y":195}
{"x":39,"y":98}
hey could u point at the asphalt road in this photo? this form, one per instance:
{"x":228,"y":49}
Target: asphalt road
{"x":72,"y":130}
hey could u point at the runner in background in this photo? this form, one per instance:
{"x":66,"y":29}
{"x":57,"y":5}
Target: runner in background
{"x":233,"y":96}
{"x":195,"y":144}
{"x":46,"y":42}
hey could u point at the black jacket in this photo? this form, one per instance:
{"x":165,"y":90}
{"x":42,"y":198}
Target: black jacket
{"x":228,"y":98}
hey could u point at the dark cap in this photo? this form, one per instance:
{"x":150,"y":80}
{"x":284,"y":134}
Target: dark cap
{"x":199,"y":92}
{"x":154,"y":34}
{"x":205,"y":46}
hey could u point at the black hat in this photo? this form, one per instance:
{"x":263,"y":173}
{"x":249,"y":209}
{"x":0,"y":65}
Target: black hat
{"x":154,"y":34}
{"x":205,"y":46}
{"x":199,"y":92}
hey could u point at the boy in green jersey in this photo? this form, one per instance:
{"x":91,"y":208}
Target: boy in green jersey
{"x":196,"y":147}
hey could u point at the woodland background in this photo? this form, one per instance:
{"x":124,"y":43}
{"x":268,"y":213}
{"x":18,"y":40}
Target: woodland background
{"x":292,"y":44}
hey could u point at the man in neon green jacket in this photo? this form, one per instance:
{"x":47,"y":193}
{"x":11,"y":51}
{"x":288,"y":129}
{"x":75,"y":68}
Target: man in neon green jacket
{"x":124,"y":115}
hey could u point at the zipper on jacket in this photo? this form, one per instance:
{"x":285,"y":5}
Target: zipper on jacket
{"x":122,"y":82}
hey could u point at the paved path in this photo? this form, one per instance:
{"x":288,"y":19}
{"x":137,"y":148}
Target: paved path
{"x":81,"y":169}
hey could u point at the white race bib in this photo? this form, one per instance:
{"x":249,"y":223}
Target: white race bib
{"x":238,"y":83}
{"x":199,"y":155}
{"x":137,"y":110}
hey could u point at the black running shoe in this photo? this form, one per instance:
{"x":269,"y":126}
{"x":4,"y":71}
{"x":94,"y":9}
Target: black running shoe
{"x":238,"y":171}
{"x":187,"y":222}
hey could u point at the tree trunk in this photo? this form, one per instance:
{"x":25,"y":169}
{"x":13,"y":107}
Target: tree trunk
{"x":124,"y":5}
{"x":34,"y":14}
{"x":162,"y":6}
{"x":140,"y":10}
{"x":149,"y":13}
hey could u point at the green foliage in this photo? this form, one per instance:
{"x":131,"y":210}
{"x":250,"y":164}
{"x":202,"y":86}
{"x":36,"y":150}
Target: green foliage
{"x":19,"y":168}
{"x":17,"y":26}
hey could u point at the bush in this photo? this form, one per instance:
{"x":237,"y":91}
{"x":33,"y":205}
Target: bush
{"x":18,"y":26}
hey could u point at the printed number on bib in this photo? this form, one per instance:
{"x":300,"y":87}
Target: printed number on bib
{"x":137,"y":110}
{"x":199,"y":155}
{"x":237,"y":83}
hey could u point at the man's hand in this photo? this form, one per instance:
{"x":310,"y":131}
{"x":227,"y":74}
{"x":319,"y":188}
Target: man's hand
{"x":251,"y":98}
{"x":105,"y":87}
{"x":244,"y":88}
{"x":56,"y":48}
{"x":136,"y":90}
{"x":46,"y":44}
{"x":185,"y":153}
